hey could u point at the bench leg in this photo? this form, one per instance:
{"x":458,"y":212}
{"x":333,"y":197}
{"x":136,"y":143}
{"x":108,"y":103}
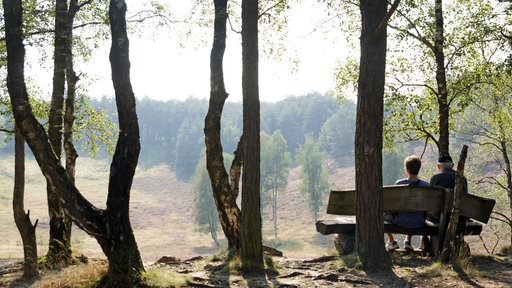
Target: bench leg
{"x":345,"y":243}
{"x":435,"y":245}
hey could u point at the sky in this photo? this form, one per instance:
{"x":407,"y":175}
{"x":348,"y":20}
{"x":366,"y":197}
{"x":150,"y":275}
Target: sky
{"x":161,"y":69}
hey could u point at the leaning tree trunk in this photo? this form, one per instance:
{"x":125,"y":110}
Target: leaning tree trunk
{"x":224,"y":194}
{"x":442,"y":91}
{"x":22,"y":219}
{"x":111,"y":227}
{"x":125,"y":262}
{"x":252,"y":247}
{"x":368,"y":142}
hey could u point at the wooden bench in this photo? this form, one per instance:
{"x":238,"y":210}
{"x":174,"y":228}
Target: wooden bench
{"x":405,"y":198}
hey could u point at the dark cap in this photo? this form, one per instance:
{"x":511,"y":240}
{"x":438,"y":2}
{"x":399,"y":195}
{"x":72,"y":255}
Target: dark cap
{"x":444,"y":158}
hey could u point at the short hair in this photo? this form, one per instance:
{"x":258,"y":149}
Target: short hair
{"x":413,"y":164}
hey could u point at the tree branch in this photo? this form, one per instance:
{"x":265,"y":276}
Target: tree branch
{"x":385,"y":21}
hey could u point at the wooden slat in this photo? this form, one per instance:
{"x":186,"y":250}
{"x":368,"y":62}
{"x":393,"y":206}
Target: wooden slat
{"x":397,"y":198}
{"x":340,"y":225}
{"x":347,"y":225}
{"x":476,"y":207}
{"x":405,"y":198}
{"x":401,"y":198}
{"x":342,"y":202}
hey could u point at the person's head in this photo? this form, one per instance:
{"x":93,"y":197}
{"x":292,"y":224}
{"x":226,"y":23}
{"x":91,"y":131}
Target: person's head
{"x":412,"y":164}
{"x":444,"y":162}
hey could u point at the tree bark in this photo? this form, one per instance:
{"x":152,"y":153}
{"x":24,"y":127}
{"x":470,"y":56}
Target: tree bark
{"x":69,"y":113}
{"x":442,"y":91}
{"x":125,"y":263}
{"x":453,"y":243}
{"x":22,"y":219}
{"x":251,"y":248}
{"x":59,"y":250}
{"x":508,"y":173}
{"x":368,"y":143}
{"x":224,"y":193}
{"x":111,"y":227}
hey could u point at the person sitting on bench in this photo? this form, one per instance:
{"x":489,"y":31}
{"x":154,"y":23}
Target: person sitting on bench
{"x":409,"y":220}
{"x":445,"y":178}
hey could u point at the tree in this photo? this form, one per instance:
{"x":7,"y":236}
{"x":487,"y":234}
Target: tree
{"x":393,"y":165}
{"x":487,"y":123}
{"x":188,"y":147}
{"x":418,"y":106}
{"x":314,"y":181}
{"x":251,"y":246}
{"x":22,"y":219}
{"x":111,"y":227}
{"x":275,"y":167}
{"x":337,"y":135}
{"x":224,"y":186}
{"x":369,"y":130}
{"x":59,"y":250}
{"x":205,"y":212}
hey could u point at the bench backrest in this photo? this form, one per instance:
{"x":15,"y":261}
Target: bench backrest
{"x":403,"y":198}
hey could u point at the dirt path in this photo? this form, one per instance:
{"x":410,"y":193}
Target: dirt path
{"x":410,"y":270}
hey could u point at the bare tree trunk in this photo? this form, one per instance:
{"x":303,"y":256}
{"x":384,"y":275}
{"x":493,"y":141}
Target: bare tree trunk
{"x":224,"y":193}
{"x":125,"y":263}
{"x":508,"y":174}
{"x":453,"y":243}
{"x":442,"y":91}
{"x":69,"y":113}
{"x":368,"y":143}
{"x":252,"y":247}
{"x":274,"y":210}
{"x":22,"y":220}
{"x":59,"y":250}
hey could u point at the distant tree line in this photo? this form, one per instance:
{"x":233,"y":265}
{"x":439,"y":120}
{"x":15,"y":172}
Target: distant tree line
{"x":171,"y":132}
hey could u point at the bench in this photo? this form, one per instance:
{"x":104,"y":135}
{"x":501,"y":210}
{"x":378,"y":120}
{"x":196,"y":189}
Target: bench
{"x":405,"y":198}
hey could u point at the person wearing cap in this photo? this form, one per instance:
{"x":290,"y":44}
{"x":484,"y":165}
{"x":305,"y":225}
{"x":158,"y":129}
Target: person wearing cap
{"x":445,"y":178}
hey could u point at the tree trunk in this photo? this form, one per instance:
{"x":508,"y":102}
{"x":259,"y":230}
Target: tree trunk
{"x":59,"y":250}
{"x":22,"y":220}
{"x":111,"y":227}
{"x":442,"y":92}
{"x":368,"y":143}
{"x":224,"y":194}
{"x":508,"y":174}
{"x":125,"y":263}
{"x":69,"y":113}
{"x":274,"y":209}
{"x":453,"y":242}
{"x":251,"y":248}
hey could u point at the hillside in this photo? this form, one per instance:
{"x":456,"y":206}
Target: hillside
{"x":162,"y":219}
{"x":161,"y":212}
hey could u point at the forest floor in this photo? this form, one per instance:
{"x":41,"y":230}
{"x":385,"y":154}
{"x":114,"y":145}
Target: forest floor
{"x":409,"y":270}
{"x":163,"y":222}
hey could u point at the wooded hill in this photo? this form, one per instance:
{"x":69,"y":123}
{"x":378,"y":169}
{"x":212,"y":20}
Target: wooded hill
{"x":172,"y":131}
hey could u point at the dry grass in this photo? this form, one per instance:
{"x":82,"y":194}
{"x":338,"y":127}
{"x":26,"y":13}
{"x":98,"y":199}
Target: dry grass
{"x":161,"y":213}
{"x":81,"y":275}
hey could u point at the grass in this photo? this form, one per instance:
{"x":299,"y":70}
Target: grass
{"x":81,"y":275}
{"x":165,"y":278}
{"x":160,"y":210}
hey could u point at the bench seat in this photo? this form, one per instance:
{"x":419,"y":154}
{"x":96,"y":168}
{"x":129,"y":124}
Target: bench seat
{"x":347,"y":224}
